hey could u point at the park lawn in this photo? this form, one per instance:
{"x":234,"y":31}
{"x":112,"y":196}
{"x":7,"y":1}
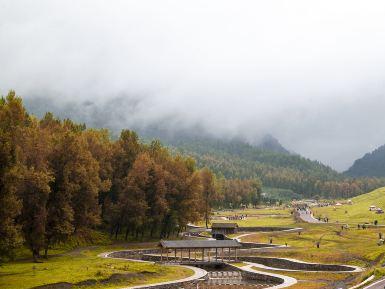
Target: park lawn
{"x":81,"y":265}
{"x":278,"y":220}
{"x":252,"y":211}
{"x":260,"y":221}
{"x":353,"y":246}
{"x":358,"y":212}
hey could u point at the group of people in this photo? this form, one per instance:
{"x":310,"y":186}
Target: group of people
{"x":325,"y":219}
{"x":237,"y":217}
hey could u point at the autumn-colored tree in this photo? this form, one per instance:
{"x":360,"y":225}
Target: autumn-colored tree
{"x":132,"y":199}
{"x":209,"y":192}
{"x":12,"y":117}
{"x":184,"y":193}
{"x":34,"y":148}
{"x":100,"y":146}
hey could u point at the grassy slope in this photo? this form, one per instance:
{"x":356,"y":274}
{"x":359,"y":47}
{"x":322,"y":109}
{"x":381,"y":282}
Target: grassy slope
{"x":83,"y":264}
{"x":353,"y":246}
{"x":257,"y":217}
{"x":359,"y":211}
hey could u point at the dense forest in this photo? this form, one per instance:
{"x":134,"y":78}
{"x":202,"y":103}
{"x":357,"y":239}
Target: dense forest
{"x":281,"y":170}
{"x":370,"y":165}
{"x":58,"y":179}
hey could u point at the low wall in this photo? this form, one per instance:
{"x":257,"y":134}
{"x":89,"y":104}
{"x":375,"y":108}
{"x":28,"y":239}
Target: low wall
{"x":264,"y":229}
{"x":250,"y":245}
{"x":293,"y":265}
{"x":132,"y":254}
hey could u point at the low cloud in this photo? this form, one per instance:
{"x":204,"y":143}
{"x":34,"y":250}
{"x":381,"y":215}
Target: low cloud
{"x":310,"y":73}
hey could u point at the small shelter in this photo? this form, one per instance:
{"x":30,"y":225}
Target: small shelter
{"x":205,"y":247}
{"x":224,"y":228}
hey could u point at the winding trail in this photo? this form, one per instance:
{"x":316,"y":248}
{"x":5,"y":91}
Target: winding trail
{"x":198,"y":273}
{"x":287,"y":281}
{"x":380,"y":284}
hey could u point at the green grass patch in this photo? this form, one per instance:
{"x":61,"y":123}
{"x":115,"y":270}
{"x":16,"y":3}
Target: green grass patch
{"x":81,"y":265}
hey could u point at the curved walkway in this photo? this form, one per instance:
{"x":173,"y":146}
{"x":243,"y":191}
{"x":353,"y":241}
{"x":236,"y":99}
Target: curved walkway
{"x":198,"y":273}
{"x":287,"y":281}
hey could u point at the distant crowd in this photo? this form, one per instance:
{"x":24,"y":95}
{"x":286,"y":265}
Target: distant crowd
{"x":236,"y":217}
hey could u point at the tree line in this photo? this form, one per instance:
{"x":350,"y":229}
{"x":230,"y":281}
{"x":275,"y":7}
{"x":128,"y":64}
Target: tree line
{"x":306,"y":178}
{"x":58,"y":179}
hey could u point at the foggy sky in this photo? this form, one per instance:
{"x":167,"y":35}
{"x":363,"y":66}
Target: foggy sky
{"x":311,"y":73}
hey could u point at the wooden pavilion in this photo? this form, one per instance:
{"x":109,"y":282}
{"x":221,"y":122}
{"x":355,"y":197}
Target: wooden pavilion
{"x":205,"y":247}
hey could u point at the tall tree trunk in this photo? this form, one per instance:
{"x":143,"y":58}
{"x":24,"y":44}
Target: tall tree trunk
{"x":35,"y":255}
{"x":127,"y":231}
{"x":117,"y":231}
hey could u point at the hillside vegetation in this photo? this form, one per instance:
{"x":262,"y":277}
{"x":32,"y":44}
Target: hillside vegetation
{"x":370,"y":165}
{"x":238,"y":159}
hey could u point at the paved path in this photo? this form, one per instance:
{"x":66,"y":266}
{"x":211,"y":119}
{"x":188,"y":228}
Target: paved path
{"x":309,"y":217}
{"x":287,"y":281}
{"x":198,"y":273}
{"x":380,"y":284}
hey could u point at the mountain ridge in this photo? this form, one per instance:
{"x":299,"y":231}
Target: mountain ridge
{"x":372,"y":164}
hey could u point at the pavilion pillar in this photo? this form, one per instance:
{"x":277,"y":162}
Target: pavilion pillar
{"x":216,"y":254}
{"x":189,"y":254}
{"x":175,"y":256}
{"x":195,"y":255}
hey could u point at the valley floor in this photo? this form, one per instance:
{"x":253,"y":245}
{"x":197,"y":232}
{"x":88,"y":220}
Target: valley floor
{"x":337,"y":245}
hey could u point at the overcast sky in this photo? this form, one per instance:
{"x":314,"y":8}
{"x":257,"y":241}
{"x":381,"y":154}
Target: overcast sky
{"x":311,"y":73}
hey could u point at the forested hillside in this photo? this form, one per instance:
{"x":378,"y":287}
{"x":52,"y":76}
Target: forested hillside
{"x":58,"y":179}
{"x":238,"y":159}
{"x":370,"y":165}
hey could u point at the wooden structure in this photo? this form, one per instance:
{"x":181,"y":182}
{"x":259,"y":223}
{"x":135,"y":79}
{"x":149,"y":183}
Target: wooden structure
{"x":210,"y":250}
{"x":224,"y":228}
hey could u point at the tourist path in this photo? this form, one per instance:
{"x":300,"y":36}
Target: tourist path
{"x":309,"y":218}
{"x":380,"y":284}
{"x":198,"y":273}
{"x":287,"y":281}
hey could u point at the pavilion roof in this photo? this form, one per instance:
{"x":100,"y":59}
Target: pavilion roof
{"x":194,"y":244}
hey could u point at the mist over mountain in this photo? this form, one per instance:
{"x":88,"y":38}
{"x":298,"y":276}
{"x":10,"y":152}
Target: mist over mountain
{"x":244,"y":70}
{"x":123,"y":112}
{"x":370,"y":165}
